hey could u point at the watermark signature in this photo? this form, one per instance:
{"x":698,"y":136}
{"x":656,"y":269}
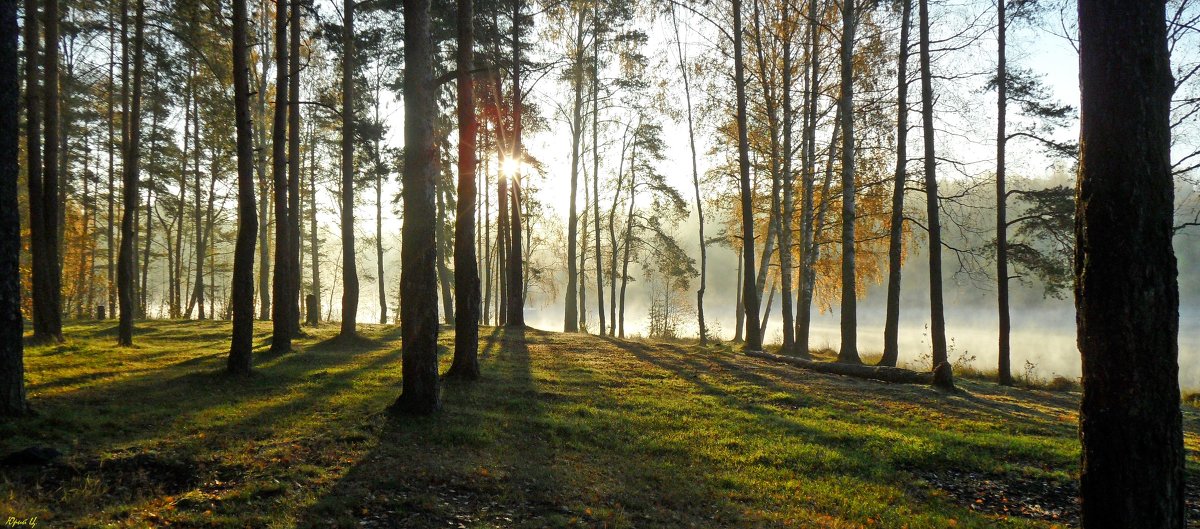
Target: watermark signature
{"x":13,"y":521}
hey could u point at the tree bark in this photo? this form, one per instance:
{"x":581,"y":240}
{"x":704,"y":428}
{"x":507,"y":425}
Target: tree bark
{"x":1004,"y":371}
{"x":1126,"y":292}
{"x":125,"y":264}
{"x":349,"y":267}
{"x":891,"y":323}
{"x":807,"y":187}
{"x":848,"y":354}
{"x":942,"y":374}
{"x":109,"y":234}
{"x":749,"y":296}
{"x":418,"y":276}
{"x":51,"y":286}
{"x":294,"y":156}
{"x":596,"y":165}
{"x":33,"y":149}
{"x":242,"y":342}
{"x":466,"y":271}
{"x":12,"y":366}
{"x":789,"y":199}
{"x":281,"y":327}
{"x":516,"y":291}
{"x":264,"y":182}
{"x":571,"y":315}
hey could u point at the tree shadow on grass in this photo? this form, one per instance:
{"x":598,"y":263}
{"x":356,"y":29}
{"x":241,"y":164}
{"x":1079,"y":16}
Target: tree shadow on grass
{"x":188,"y":410}
{"x":521,"y":447}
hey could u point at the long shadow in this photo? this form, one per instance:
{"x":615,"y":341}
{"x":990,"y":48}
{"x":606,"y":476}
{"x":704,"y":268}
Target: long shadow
{"x":960,"y":405}
{"x":461,"y":466}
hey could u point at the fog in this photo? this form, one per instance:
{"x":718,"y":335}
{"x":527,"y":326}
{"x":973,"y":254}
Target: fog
{"x":1043,"y":329}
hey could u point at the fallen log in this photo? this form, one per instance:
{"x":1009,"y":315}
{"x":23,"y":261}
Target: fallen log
{"x":884,"y":373}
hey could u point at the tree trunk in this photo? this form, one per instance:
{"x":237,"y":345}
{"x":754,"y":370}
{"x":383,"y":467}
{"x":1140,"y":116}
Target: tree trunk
{"x":143,"y":290}
{"x":125,"y":265}
{"x":571,"y":316}
{"x":891,"y":324}
{"x":466,"y":272}
{"x":281,"y":327}
{"x":596,"y":165}
{"x":789,"y":200}
{"x":293,"y":219}
{"x":849,"y":349}
{"x":418,"y":277}
{"x":33,"y":149}
{"x":807,"y":187}
{"x":51,"y":291}
{"x":628,"y":241}
{"x":379,"y":178}
{"x":1126,"y":292}
{"x":749,"y":298}
{"x":1004,"y":370}
{"x":264,"y":181}
{"x":516,"y":292}
{"x":687,"y":92}
{"x":313,"y":240}
{"x":242,"y":342}
{"x":349,"y":267}
{"x":739,"y":310}
{"x":109,"y":234}
{"x":942,"y":375}
{"x":487,"y":232}
{"x":884,"y":373}
{"x":502,"y":232}
{"x":12,"y":367}
{"x":445,"y":276}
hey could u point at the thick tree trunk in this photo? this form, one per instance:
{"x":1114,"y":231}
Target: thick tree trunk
{"x":33,"y":149}
{"x":571,"y":316}
{"x":349,"y":267}
{"x":1004,"y":371}
{"x":1126,"y":292}
{"x":242,"y":342}
{"x":466,"y":271}
{"x":848,"y":354}
{"x":418,"y":277}
{"x":942,"y":375}
{"x":51,"y":291}
{"x":891,"y":323}
{"x":516,"y":291}
{"x":125,"y":265}
{"x":293,"y":220}
{"x":12,"y":367}
{"x":749,"y":296}
{"x":281,"y":327}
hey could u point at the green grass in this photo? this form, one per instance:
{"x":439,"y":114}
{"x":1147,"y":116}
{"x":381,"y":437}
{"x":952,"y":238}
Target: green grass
{"x":562,"y":431}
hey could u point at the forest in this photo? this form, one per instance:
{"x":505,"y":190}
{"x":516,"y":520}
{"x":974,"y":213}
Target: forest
{"x":584,"y":263}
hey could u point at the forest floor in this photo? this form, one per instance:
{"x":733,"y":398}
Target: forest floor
{"x":564,"y":430}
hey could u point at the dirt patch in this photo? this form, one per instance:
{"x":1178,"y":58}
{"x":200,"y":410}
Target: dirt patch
{"x":1009,"y":495}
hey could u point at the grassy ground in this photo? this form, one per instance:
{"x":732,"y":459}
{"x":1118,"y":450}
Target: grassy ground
{"x":563,"y":431}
